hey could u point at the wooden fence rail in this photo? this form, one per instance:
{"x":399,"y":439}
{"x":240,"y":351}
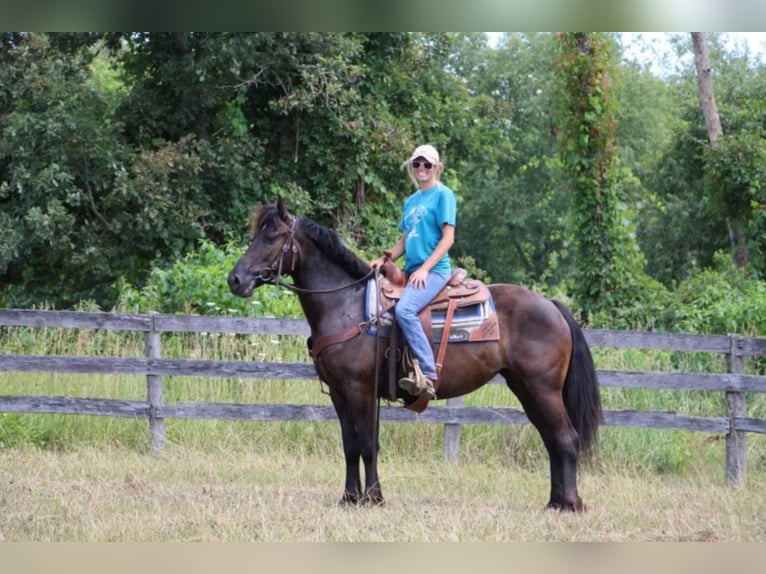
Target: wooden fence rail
{"x":734,"y":423}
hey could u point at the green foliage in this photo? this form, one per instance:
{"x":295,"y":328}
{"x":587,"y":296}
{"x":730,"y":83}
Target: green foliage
{"x":80,"y":208}
{"x":696,"y":191}
{"x":115,"y":160}
{"x":588,"y":150}
{"x":512,"y":217}
{"x":18,"y":429}
{"x":469,"y":264}
{"x":716,"y":301}
{"x":197,"y":284}
{"x":120,"y":152}
{"x":720,"y":301}
{"x":643,"y":305}
{"x":58,"y":149}
{"x":735,"y":186}
{"x":674,"y":231}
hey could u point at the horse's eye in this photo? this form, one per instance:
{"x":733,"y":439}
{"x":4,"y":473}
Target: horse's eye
{"x":269,"y":234}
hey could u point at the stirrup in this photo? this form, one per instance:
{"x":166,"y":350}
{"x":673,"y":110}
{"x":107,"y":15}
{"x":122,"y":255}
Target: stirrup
{"x":416,"y":383}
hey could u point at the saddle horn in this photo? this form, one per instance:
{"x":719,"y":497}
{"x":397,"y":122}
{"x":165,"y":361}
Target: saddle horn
{"x":391,"y":271}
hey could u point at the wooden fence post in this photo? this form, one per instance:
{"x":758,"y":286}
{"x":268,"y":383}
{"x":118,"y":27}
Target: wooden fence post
{"x":153,"y":348}
{"x":452,"y":433}
{"x":735,"y":407}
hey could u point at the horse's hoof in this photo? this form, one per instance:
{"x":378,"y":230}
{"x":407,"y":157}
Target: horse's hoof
{"x":567,"y":506}
{"x":373,"y":501}
{"x":349,"y":500}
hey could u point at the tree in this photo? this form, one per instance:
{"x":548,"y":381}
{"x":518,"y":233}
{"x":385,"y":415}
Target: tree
{"x":697,"y":189}
{"x":84,"y":203}
{"x":588,"y":151}
{"x":122,"y":151}
{"x":514,"y":223}
{"x":715,"y":132}
{"x":100,"y":183}
{"x":59,"y":146}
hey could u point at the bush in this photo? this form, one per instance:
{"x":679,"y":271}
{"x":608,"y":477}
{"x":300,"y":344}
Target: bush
{"x":717,"y":301}
{"x":197,"y":285}
{"x":720,"y":301}
{"x":642,"y":306}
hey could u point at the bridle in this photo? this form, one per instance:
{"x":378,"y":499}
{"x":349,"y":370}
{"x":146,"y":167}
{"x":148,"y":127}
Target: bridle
{"x":272,"y":274}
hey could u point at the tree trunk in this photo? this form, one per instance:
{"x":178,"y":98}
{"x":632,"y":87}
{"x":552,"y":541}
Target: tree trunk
{"x":705,"y":83}
{"x":714,"y":133}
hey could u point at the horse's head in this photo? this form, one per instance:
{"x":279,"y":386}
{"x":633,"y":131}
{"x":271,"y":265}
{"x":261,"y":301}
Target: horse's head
{"x":272,"y":252}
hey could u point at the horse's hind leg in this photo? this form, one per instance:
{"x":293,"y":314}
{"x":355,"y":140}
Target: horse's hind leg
{"x":563,"y":452}
{"x":545,"y":409}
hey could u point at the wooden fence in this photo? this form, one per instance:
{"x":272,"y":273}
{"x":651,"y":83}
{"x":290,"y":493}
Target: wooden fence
{"x":734,"y":423}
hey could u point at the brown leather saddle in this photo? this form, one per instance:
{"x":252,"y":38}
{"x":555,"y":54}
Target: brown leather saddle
{"x":459,"y":292}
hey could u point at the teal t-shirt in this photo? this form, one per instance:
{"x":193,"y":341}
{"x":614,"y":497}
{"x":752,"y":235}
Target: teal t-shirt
{"x":424,"y":214}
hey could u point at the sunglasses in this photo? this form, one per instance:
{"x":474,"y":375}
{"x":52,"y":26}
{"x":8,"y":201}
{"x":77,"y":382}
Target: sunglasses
{"x":425,"y":164}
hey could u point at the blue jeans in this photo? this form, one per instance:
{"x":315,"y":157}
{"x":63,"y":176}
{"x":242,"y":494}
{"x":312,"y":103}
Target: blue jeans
{"x":406,"y":311}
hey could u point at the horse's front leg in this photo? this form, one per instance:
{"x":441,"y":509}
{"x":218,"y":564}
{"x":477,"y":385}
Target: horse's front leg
{"x":352,"y":492}
{"x":369,"y":439}
{"x":365,"y":408}
{"x":357,"y":412}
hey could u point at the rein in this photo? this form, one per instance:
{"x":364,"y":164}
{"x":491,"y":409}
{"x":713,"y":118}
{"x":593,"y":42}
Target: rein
{"x":281,"y":283}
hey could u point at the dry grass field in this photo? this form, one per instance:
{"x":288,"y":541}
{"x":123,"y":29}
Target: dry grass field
{"x":116,"y":494}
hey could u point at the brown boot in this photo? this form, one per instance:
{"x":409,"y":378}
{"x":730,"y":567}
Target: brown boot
{"x":425,"y":384}
{"x":410,"y":384}
{"x":414,"y":382}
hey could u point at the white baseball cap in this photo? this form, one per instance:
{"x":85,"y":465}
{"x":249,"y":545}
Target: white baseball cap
{"x":427,"y":152}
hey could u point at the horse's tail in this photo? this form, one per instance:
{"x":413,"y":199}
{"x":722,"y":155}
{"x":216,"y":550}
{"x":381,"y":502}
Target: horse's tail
{"x":582,"y":398}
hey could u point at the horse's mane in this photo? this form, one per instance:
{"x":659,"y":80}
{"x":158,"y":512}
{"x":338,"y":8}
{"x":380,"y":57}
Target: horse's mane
{"x":325,"y":239}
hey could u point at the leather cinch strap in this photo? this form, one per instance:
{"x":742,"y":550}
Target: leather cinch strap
{"x":393,"y":360}
{"x":334,"y":339}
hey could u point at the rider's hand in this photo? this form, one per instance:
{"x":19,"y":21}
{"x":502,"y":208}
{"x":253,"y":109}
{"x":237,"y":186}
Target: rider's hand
{"x":419,"y":279}
{"x":377,"y":263}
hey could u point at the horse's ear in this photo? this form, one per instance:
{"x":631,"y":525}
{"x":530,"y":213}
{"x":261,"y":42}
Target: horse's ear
{"x":281,"y":209}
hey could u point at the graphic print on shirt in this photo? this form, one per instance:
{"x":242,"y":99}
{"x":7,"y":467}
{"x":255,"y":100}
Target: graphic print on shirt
{"x":412,"y":220}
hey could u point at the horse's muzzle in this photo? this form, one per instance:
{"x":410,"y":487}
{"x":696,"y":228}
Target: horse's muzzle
{"x":241,"y":283}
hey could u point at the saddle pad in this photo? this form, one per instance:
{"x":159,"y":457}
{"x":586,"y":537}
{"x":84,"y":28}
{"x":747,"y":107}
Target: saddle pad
{"x":465,"y":321}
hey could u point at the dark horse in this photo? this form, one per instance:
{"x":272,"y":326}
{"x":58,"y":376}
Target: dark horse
{"x":542,"y":352}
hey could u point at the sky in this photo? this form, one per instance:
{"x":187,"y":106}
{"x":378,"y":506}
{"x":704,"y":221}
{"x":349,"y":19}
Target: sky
{"x":655,"y":47}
